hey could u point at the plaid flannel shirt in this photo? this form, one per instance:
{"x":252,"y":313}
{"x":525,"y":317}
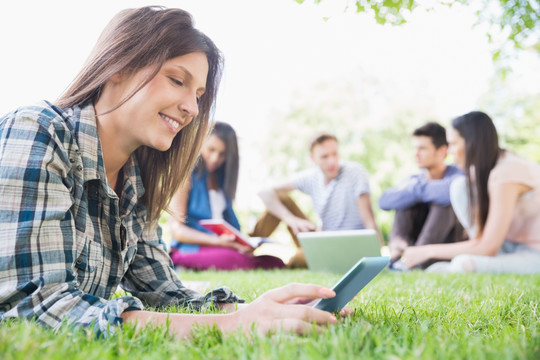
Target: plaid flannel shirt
{"x":66,"y":239}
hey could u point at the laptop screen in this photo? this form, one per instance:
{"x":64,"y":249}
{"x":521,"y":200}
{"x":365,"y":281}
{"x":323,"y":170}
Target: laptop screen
{"x":337,"y":251}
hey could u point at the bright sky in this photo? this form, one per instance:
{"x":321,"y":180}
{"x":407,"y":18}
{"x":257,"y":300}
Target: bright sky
{"x":273,"y":49}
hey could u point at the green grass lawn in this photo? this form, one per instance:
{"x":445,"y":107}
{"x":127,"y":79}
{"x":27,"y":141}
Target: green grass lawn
{"x":397,"y":316}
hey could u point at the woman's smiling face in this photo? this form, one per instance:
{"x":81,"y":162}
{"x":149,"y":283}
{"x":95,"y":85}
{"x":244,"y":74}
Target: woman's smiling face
{"x":165,"y":105}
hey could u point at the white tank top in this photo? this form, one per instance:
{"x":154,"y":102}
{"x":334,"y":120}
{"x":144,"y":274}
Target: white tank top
{"x":217,"y":203}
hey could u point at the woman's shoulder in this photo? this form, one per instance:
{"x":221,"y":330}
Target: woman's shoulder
{"x":42,"y":108}
{"x":41,"y":114}
{"x":514,"y":168}
{"x":511,"y":160}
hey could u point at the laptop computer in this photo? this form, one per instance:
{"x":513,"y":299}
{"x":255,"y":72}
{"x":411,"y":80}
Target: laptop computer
{"x":337,"y":251}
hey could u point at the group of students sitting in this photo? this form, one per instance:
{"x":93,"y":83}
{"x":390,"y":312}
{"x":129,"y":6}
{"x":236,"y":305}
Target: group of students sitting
{"x":486,"y":219}
{"x":210,"y":194}
{"x":83,"y":182}
{"x":441,"y":213}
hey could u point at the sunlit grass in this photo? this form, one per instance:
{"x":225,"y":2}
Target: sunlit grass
{"x":397,"y":316}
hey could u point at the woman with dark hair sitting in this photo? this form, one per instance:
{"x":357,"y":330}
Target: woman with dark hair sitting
{"x":497,"y":202}
{"x":209,"y":195}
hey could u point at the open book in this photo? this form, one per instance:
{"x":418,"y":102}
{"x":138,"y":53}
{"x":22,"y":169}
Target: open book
{"x":220,"y":226}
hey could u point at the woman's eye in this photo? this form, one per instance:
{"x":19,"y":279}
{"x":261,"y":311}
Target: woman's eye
{"x":177,"y":82}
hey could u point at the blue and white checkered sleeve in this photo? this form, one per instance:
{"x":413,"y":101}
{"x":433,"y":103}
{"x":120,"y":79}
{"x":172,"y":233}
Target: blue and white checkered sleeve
{"x":151,"y":277}
{"x":38,"y":279}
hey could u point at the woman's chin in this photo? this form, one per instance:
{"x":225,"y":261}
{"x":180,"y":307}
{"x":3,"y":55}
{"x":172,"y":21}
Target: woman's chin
{"x":164,"y":146}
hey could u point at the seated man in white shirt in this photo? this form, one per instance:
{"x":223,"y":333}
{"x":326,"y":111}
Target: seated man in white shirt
{"x":339,"y":191}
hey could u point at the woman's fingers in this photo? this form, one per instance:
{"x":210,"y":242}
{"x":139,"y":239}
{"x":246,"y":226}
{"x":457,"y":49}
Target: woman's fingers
{"x":293,"y":325}
{"x":272,"y":312}
{"x":293,"y":291}
{"x":227,"y":237}
{"x":244,"y":249}
{"x":305,"y":313}
{"x":346,"y":311}
{"x":303,"y":301}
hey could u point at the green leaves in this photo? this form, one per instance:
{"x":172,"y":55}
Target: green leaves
{"x":511,"y":24}
{"x":393,"y":12}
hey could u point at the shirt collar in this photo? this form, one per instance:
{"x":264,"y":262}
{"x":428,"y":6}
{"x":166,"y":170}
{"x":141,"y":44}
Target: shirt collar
{"x":89,"y":144}
{"x":322,"y":179}
{"x":84,"y":119}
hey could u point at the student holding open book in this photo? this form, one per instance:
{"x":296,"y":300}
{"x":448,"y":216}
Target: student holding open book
{"x":209,"y":195}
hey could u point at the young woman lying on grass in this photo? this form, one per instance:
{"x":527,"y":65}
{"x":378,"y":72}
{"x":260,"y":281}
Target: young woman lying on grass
{"x":497,"y":202}
{"x":83,"y":182}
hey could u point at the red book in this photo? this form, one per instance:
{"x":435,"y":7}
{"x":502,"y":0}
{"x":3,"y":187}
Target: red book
{"x":220,"y":226}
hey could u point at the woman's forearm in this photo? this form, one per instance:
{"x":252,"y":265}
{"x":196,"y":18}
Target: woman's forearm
{"x":185,"y":234}
{"x":281,"y":309}
{"x":502,"y":203}
{"x":449,"y":251}
{"x":180,"y":324}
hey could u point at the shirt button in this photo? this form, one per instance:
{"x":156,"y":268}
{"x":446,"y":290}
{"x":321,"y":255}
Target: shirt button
{"x":79,"y":260}
{"x":79,"y":167}
{"x":71,"y":160}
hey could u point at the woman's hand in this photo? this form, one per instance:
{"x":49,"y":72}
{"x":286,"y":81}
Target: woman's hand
{"x":281,"y":309}
{"x":346,"y":311}
{"x":415,"y":255}
{"x":228,"y":240}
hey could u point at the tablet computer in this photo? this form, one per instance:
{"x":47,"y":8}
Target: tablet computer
{"x":352,"y":282}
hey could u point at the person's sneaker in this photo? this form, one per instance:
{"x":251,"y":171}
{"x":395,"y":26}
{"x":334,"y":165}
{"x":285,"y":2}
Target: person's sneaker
{"x":398,"y":265}
{"x":441,"y":267}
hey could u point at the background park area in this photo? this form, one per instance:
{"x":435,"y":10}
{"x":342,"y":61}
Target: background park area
{"x":368,"y":71}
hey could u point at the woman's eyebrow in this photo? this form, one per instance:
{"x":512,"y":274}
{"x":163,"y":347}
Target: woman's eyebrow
{"x":189,"y":76}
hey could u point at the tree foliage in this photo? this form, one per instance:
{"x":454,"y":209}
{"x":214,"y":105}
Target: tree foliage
{"x":375,"y":133}
{"x":511,"y":22}
{"x":515,"y":114}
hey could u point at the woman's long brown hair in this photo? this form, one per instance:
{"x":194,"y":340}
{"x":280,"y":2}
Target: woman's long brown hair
{"x":481,"y":154}
{"x":145,"y":38}
{"x":230,"y":167}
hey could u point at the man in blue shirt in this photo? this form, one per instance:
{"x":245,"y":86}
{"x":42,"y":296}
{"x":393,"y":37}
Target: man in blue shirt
{"x":422,"y":201}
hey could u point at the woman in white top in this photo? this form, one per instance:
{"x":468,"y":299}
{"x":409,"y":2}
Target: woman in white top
{"x":497,"y":201}
{"x":209,"y":195}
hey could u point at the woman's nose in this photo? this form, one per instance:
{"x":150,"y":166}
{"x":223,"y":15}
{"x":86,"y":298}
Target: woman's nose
{"x":190,"y":106}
